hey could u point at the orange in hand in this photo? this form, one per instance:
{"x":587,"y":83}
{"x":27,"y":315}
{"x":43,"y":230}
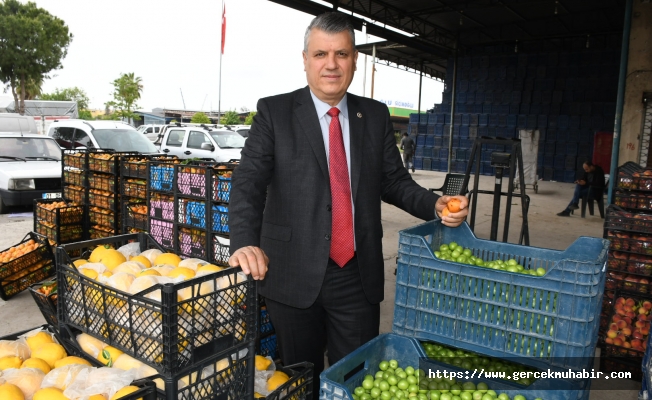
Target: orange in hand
{"x":453,"y":205}
{"x":445,"y":212}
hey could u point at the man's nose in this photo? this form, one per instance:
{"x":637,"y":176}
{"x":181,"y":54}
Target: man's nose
{"x":331,"y":61}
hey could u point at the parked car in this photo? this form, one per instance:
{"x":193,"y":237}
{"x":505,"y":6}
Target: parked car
{"x":151,"y":132}
{"x":30,"y":168}
{"x":115,"y":135}
{"x":244,"y":132}
{"x":202,"y":142}
{"x":12,"y":122}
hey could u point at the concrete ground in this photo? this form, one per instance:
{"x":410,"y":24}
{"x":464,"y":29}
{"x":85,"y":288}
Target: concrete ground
{"x":545,"y":228}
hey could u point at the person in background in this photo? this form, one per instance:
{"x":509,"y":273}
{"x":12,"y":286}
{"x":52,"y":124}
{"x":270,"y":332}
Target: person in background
{"x":408,"y":147}
{"x":593,"y":177}
{"x":305,"y":211}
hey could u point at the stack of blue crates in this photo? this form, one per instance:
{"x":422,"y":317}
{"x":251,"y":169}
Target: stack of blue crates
{"x":568,"y":95}
{"x":545,"y":322}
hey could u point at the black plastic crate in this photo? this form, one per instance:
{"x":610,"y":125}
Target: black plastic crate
{"x":161,"y":206}
{"x":300,"y":385}
{"x":620,"y":219}
{"x":191,"y":321}
{"x":135,"y":215}
{"x":74,"y":177}
{"x":193,"y":242}
{"x":105,"y":182}
{"x":161,"y":174}
{"x":106,"y":161}
{"x":74,"y":158}
{"x":18,"y":264}
{"x":220,"y":214}
{"x":132,"y":187}
{"x":76,"y":194}
{"x":104,"y":199}
{"x":191,"y":212}
{"x":47,"y":303}
{"x":103,"y":217}
{"x":69,"y":215}
{"x":220,"y":250}
{"x":163,"y":233}
{"x":59,"y":233}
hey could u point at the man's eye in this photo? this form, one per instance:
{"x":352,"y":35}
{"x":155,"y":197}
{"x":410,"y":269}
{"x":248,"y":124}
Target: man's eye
{"x":343,"y":54}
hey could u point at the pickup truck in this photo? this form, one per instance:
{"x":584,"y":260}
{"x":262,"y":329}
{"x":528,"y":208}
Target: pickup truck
{"x":201,"y":142}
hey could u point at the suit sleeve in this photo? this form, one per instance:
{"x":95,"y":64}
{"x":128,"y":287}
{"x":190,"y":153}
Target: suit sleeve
{"x":398,"y":187}
{"x":250,"y":181}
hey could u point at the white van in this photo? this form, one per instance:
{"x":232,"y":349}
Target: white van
{"x":115,"y":135}
{"x":17,"y":123}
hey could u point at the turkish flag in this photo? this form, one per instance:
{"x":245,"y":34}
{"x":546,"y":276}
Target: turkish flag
{"x":223,"y":27}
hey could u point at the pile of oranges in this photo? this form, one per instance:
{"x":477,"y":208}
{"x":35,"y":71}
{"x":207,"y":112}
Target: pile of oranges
{"x":452,"y":206}
{"x":55,"y":205}
{"x":18,"y":251}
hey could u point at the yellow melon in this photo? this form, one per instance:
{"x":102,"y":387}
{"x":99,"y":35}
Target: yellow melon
{"x":90,"y":345}
{"x":168,"y":258}
{"x":97,"y":397}
{"x":262,"y":363}
{"x":11,"y":392}
{"x":8,"y":362}
{"x":151,"y":254}
{"x":142,"y":259}
{"x":50,"y":393}
{"x":276,"y":380}
{"x":80,"y":262}
{"x":35,"y":341}
{"x":124,"y":392}
{"x":36,"y":363}
{"x":187,"y":273}
{"x":108,"y":355}
{"x":91,"y":273}
{"x":71,"y":360}
{"x":96,"y":254}
{"x":149,"y":271}
{"x":50,"y":353}
{"x":111,"y":258}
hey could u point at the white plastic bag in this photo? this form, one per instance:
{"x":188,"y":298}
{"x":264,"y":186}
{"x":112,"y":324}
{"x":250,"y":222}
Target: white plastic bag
{"x":29,"y":380}
{"x":130,"y":250}
{"x":103,"y":380}
{"x":261,"y":377}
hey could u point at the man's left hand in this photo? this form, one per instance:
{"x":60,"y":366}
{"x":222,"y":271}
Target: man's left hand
{"x":453,"y":219}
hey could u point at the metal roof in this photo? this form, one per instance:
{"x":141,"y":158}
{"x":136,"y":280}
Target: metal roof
{"x":419,"y":31}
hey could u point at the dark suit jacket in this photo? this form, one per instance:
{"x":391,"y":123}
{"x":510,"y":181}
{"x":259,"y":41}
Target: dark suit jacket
{"x":280,"y":196}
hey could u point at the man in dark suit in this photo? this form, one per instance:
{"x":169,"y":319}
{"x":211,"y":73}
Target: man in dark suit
{"x":305,"y":212}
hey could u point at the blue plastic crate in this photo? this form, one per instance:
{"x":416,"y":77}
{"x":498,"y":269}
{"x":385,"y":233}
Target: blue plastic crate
{"x":339,"y":380}
{"x":419,"y":151}
{"x":220,"y":218}
{"x":560,"y":161}
{"x":269,"y":347}
{"x":439,"y":141}
{"x":427,"y":164}
{"x":161,"y":177}
{"x":549,"y":161}
{"x":569,"y":176}
{"x":433,"y":119}
{"x":430,"y":140}
{"x":439,"y":130}
{"x":571,"y":164}
{"x":464,"y":131}
{"x":483,"y":120}
{"x":196,"y":214}
{"x":449,"y":303}
{"x":466,"y":119}
{"x":418,"y":162}
{"x":427,"y":152}
{"x":560,"y":148}
{"x":571,"y":149}
{"x":430,"y":130}
{"x":443,"y":153}
{"x":465,"y":143}
{"x":421,"y":140}
{"x":558,"y":174}
{"x":265,"y":322}
{"x":647,"y":369}
{"x":414,"y":118}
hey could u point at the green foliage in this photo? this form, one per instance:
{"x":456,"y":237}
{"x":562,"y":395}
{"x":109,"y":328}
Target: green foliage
{"x":71,"y":94}
{"x":200,"y":118}
{"x":174,"y":121}
{"x":250,"y":118}
{"x":126,"y":91}
{"x":230,"y":118}
{"x":32,"y":44}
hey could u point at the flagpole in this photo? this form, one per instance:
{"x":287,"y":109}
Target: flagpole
{"x":219,"y":99}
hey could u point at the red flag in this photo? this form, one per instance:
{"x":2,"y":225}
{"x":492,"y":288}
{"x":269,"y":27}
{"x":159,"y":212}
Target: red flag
{"x":223,"y":27}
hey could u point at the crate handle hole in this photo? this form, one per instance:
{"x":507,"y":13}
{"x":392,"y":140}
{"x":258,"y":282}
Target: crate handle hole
{"x":354,"y":371}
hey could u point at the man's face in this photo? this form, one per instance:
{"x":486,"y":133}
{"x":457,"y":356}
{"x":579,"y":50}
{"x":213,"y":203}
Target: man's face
{"x":329,"y":63}
{"x":587,"y":168}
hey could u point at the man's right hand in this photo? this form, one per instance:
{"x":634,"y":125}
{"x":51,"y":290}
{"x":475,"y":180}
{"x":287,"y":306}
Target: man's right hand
{"x":252,"y":260}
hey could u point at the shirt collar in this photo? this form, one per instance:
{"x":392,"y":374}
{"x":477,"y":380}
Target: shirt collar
{"x":322,"y":107}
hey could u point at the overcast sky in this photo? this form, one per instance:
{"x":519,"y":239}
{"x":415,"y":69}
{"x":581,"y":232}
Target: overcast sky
{"x":174,"y":47}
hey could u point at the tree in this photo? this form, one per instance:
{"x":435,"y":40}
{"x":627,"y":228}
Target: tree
{"x":200,"y":118}
{"x":32,"y":43}
{"x":71,"y":94}
{"x":230,"y":118}
{"x":126,"y":91}
{"x":250,"y":118}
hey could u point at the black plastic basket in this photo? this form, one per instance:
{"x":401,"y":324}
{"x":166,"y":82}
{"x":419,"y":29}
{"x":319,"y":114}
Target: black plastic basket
{"x":220,"y":250}
{"x":192,"y":242}
{"x":299,"y":387}
{"x":161,"y":174}
{"x":132,"y":218}
{"x":74,"y":158}
{"x":75,"y":177}
{"x":76,"y":194}
{"x":136,"y":188}
{"x":105,"y":182}
{"x":106,"y":160}
{"x":59,"y":233}
{"x":135,"y":166}
{"x":69,"y":215}
{"x":170,"y":335}
{"x":24,"y":262}
{"x":14,"y":284}
{"x":46,"y":304}
{"x":220,"y":376}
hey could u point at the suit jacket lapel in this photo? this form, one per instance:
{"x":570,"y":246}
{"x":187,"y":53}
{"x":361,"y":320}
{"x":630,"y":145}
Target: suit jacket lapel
{"x":356,"y":133}
{"x":309,"y":121}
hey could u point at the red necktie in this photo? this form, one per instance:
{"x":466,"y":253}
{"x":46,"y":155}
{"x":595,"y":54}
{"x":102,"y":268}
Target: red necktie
{"x":342,"y":230}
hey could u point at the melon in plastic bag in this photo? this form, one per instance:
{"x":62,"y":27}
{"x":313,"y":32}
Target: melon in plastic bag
{"x":103,"y":380}
{"x":29,"y":380}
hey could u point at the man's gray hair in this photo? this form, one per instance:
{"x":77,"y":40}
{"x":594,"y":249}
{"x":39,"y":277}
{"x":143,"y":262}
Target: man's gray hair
{"x":330,"y":22}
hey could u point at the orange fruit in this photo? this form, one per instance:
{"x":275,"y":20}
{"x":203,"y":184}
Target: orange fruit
{"x":445,"y":212}
{"x":454,"y":205}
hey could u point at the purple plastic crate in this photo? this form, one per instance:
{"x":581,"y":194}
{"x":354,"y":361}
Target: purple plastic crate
{"x":192,"y":184}
{"x":192,"y":243}
{"x":163,"y":209}
{"x":162,"y":232}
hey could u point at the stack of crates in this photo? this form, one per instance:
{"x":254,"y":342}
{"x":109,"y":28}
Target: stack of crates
{"x":104,"y":193}
{"x":59,"y":220}
{"x":133,"y":189}
{"x":74,"y":185}
{"x":266,"y":343}
{"x":220,"y":200}
{"x":568,"y":94}
{"x":628,"y":226}
{"x":160,"y":202}
{"x":198,"y":335}
{"x":192,"y":192}
{"x":545,"y":322}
